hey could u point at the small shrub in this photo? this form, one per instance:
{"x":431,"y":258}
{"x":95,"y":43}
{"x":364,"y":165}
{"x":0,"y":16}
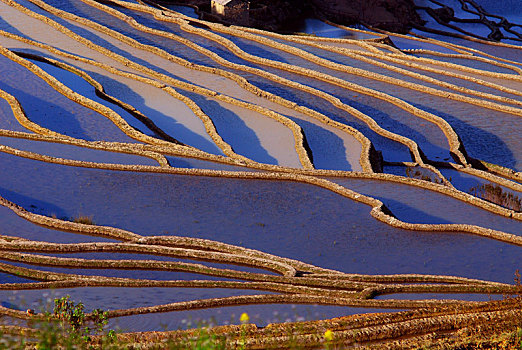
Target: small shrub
{"x":67,"y":327}
{"x":82,"y":219}
{"x":73,"y":316}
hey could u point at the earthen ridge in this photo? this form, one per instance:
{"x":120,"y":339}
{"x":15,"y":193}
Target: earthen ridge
{"x":371,"y":123}
{"x":239,"y":80}
{"x":116,"y":166}
{"x":315,"y":287}
{"x":335,"y":66}
{"x":377,"y":206}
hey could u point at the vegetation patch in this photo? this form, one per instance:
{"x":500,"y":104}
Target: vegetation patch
{"x":82,"y":219}
{"x":495,"y":194}
{"x":422,"y":175}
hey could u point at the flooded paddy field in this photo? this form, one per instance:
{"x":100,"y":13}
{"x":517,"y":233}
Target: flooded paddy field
{"x":175,"y":171}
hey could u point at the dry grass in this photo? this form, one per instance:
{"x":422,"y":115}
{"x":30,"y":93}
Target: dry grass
{"x":83,"y":219}
{"x":496,"y":194}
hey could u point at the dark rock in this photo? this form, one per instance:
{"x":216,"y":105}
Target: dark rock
{"x":385,"y":40}
{"x":392,"y":15}
{"x":276,"y":15}
{"x":444,"y":14}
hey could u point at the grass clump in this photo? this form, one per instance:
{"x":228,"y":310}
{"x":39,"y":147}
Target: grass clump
{"x":422,"y":175}
{"x":69,"y":327}
{"x":202,"y":340}
{"x":495,"y":194}
{"x":83,"y":219}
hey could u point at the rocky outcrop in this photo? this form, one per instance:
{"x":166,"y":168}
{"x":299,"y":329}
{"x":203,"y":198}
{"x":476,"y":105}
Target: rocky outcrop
{"x":276,"y":15}
{"x":392,"y":15}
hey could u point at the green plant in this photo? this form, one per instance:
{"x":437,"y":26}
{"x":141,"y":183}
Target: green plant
{"x":244,"y":319}
{"x":515,"y":339}
{"x":8,"y":341}
{"x":203,"y":340}
{"x":64,"y":328}
{"x":328,"y":338}
{"x":68,"y":311}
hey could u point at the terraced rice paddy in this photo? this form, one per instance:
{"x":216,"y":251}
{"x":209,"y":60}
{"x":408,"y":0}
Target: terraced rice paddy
{"x":166,"y":168}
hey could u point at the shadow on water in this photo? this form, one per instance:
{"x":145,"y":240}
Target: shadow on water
{"x":179,"y":163}
{"x":4,"y":25}
{"x":98,"y":39}
{"x":15,"y":226}
{"x":120,"y":26}
{"x":48,"y":115}
{"x":478,"y":142}
{"x":7,"y":119}
{"x":392,"y":151}
{"x":328,"y":149}
{"x":317,"y":27}
{"x":233,"y":129}
{"x":461,"y":181}
{"x":386,"y":121}
{"x":253,"y":49}
{"x":283,"y":218}
{"x":83,"y":87}
{"x":33,"y":205}
{"x":407,"y":213}
{"x":8,"y":278}
{"x":177,"y":130}
{"x":469,"y":183}
{"x":171,"y":45}
{"x":167,"y":123}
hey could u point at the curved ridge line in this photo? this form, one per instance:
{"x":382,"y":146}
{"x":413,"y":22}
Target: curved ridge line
{"x":239,"y":80}
{"x":464,"y":50}
{"x":181,"y":242}
{"x":473,"y":51}
{"x":343,"y":68}
{"x":99,"y":89}
{"x":464,"y":68}
{"x":405,"y":62}
{"x":51,"y":136}
{"x":185,"y":253}
{"x":209,"y":126}
{"x":455,"y":144}
{"x":378,"y":210}
{"x":206,"y":120}
{"x":82,"y":100}
{"x":44,"y":260}
{"x":335,"y":101}
{"x":318,"y":285}
{"x":265,"y":286}
{"x":276,"y":299}
{"x":447,"y":190}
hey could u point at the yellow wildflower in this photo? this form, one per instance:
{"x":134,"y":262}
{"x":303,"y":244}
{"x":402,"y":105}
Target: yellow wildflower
{"x":244,"y":318}
{"x":328,"y":335}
